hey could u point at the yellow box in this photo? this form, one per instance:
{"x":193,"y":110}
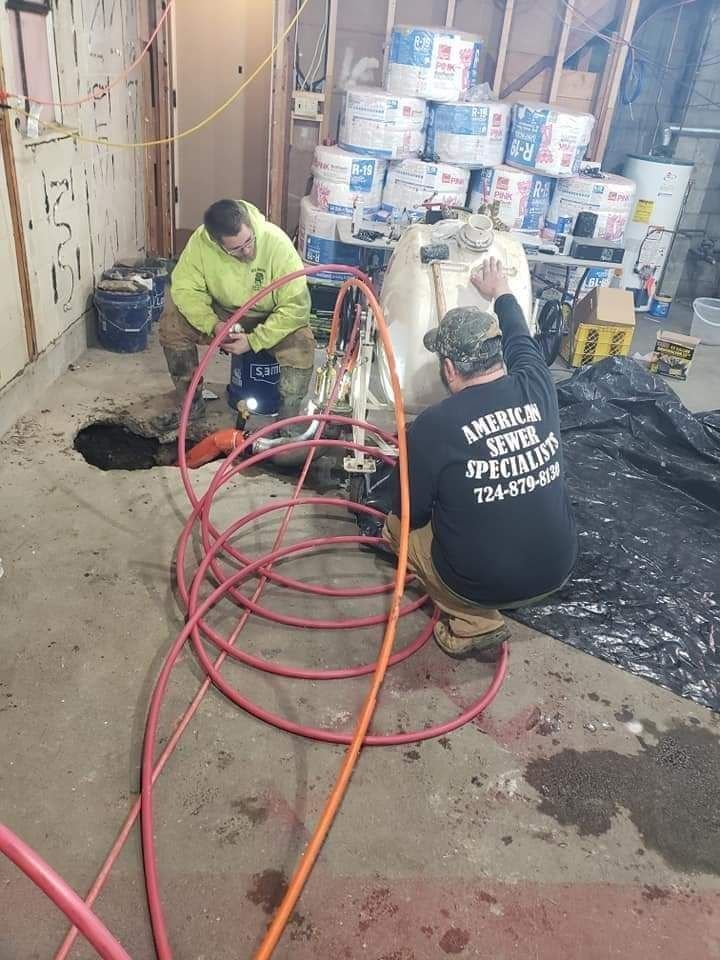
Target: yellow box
{"x":602,"y":325}
{"x":590,"y":342}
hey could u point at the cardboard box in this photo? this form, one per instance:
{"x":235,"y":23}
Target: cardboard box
{"x":603,"y":324}
{"x":673,"y":354}
{"x":606,"y":305}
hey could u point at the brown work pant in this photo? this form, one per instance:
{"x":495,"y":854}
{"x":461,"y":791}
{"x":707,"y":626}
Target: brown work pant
{"x":465,"y":618}
{"x":295,"y":353}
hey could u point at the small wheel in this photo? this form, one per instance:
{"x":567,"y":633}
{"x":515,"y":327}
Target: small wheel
{"x":552,"y":323}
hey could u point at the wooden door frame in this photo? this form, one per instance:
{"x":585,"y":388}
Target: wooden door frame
{"x":158,"y":124}
{"x":16,"y":218}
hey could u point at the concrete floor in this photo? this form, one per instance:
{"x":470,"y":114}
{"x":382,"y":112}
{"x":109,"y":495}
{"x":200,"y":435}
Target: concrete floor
{"x":579,"y":819}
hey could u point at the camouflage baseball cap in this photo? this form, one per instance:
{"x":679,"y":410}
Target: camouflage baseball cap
{"x":463,"y":335}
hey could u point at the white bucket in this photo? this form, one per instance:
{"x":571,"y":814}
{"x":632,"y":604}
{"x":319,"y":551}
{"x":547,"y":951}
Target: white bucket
{"x":432,"y":64}
{"x":318,"y":240}
{"x":412,"y":183}
{"x":380,"y":124}
{"x":609,"y":197}
{"x":522,"y":198}
{"x":549,"y":141}
{"x":706,"y":320}
{"x":468,"y":134}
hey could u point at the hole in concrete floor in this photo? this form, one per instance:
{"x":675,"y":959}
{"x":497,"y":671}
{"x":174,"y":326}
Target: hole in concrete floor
{"x":111,"y":445}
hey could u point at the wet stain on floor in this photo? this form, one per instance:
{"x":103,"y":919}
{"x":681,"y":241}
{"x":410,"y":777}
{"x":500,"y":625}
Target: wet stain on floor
{"x":671,"y":791}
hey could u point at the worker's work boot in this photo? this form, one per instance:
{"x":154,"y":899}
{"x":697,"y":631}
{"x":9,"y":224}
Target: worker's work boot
{"x":182,"y":365}
{"x":485,"y":647}
{"x":293,"y":388}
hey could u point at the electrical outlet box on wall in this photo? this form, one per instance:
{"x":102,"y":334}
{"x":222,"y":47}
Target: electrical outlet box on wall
{"x":307,"y":105}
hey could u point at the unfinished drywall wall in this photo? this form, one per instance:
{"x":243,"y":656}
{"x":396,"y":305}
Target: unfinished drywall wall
{"x":81,"y":204}
{"x":13,"y":348}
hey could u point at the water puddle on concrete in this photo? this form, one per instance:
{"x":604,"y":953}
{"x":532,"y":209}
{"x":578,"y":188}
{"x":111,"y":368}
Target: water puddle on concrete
{"x":670,"y":790}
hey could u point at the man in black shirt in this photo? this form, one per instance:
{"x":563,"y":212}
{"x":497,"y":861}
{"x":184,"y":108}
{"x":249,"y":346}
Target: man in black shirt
{"x":490,"y":518}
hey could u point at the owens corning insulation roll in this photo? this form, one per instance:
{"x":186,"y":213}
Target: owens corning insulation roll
{"x":318,"y":240}
{"x":343,"y":181}
{"x":522,"y":198}
{"x":356,"y":172}
{"x":610,"y":197}
{"x":410,"y":183}
{"x":381,"y":124}
{"x":468,"y":134}
{"x":336,"y":198}
{"x":433,"y":64}
{"x":549,"y":141}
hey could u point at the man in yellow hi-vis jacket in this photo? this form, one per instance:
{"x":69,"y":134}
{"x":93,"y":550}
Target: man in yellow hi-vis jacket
{"x":235,"y":253}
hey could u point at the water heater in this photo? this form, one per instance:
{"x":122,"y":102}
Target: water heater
{"x":662,"y":185}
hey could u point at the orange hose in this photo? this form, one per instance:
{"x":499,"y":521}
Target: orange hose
{"x":332,"y":805}
{"x":217,"y":444}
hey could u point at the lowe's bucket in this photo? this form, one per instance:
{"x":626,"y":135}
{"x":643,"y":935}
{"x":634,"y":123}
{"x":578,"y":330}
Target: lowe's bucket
{"x":123,"y":319}
{"x":254,"y":379}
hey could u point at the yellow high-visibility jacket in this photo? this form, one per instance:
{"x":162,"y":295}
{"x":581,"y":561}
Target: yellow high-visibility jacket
{"x":205,"y":273}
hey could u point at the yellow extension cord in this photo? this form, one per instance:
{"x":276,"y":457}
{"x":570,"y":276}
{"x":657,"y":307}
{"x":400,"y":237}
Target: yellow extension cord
{"x":183,"y":133}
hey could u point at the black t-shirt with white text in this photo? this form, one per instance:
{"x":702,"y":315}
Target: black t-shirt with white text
{"x":486,"y":469}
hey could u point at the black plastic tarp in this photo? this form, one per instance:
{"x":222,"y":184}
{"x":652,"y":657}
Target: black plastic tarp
{"x":644,"y":478}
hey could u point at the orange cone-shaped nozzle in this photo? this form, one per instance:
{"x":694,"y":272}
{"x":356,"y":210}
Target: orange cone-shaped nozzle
{"x":218,"y":444}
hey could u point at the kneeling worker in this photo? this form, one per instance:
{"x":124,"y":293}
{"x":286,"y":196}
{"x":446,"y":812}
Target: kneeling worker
{"x":491,"y":523}
{"x":232,"y":256}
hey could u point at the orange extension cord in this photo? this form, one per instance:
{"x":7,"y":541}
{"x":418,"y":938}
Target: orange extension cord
{"x":332,"y":805}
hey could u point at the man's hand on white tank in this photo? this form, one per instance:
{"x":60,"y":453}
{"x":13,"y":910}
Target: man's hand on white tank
{"x":490,"y":280}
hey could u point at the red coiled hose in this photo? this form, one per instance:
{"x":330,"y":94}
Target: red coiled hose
{"x":215,"y":544}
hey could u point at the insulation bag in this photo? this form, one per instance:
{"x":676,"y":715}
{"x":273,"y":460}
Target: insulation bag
{"x":413,"y":183}
{"x":432,"y":64}
{"x":318,"y":240}
{"x":548,"y":141}
{"x":468,"y":134}
{"x":380,"y":124}
{"x":522,"y":198}
{"x":344,"y":182}
{"x":609,"y":197}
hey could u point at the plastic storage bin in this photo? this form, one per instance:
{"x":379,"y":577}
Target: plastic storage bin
{"x":706,"y":320}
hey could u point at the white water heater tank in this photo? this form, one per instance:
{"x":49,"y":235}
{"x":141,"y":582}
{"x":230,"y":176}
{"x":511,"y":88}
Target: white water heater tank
{"x":414,"y":296}
{"x":661,"y":188}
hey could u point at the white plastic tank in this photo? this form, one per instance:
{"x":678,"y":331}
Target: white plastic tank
{"x":413,"y":304}
{"x":661,"y":188}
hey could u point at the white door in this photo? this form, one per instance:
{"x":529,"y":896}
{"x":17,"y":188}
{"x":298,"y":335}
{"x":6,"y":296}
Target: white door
{"x":218,"y":44}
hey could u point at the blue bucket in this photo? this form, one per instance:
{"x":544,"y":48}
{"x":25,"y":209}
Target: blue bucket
{"x":123,"y":320}
{"x":254,"y":379}
{"x":659,"y":307}
{"x":158,"y":274}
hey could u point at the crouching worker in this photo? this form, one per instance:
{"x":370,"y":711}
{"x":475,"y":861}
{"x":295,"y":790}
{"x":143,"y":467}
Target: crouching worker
{"x":235,"y":253}
{"x":491,"y":522}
